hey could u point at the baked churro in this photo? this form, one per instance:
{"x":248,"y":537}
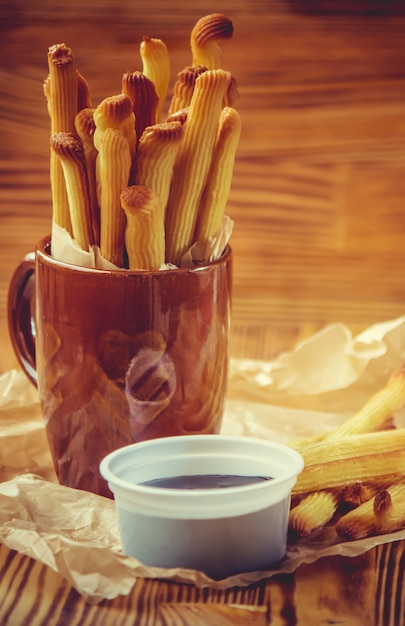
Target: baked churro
{"x":144,"y":236}
{"x":69,"y":150}
{"x":157,"y":152}
{"x":193,"y":162}
{"x":204,"y":39}
{"x":156,"y":66}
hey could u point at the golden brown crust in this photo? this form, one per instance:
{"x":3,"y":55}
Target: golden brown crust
{"x":113,"y":111}
{"x":69,"y":147}
{"x":211,"y":27}
{"x":144,"y":235}
{"x":60,"y":54}
{"x":184,"y":87}
{"x":204,"y":39}
{"x":135,"y":197}
{"x":144,"y":98}
{"x":69,"y":150}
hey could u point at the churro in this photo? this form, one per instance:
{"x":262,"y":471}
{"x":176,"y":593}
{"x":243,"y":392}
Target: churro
{"x":69,"y":151}
{"x":61,"y":90}
{"x":193,"y":162}
{"x":157,"y":151}
{"x":156,"y":66}
{"x":204,"y":39}
{"x":217,"y":189}
{"x":144,"y":235}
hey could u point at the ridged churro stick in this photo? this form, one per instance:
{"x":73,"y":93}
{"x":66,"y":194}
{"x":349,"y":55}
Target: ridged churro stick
{"x":157,"y":152}
{"x":62,"y":93}
{"x":318,"y":507}
{"x":340,"y":473}
{"x":385,"y":513}
{"x":116,"y":153}
{"x":144,"y":98}
{"x":156,"y":66}
{"x":218,"y":185}
{"x":367,"y":457}
{"x":193,"y":162}
{"x":83,"y":92}
{"x":113,"y":170}
{"x":371,"y":416}
{"x":116,"y":112}
{"x":204,"y":39}
{"x":144,"y":235}
{"x":184,"y":87}
{"x":69,"y":150}
{"x":354,"y":446}
{"x":312,"y":512}
{"x":376,"y":410}
{"x":85,"y":128}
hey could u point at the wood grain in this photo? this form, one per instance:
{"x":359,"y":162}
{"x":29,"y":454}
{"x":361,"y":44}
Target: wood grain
{"x":360,"y":591}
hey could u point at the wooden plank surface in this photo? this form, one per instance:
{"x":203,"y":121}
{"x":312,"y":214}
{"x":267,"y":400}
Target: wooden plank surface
{"x":362,"y":591}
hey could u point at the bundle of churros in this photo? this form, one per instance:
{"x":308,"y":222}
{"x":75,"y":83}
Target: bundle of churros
{"x":354,"y":477}
{"x":141,"y":184}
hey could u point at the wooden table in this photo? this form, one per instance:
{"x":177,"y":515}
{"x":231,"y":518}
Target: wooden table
{"x":357,"y":591}
{"x":318,"y":204}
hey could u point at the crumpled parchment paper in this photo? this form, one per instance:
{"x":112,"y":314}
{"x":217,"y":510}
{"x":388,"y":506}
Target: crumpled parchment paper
{"x":66,"y":249}
{"x":306,"y":391}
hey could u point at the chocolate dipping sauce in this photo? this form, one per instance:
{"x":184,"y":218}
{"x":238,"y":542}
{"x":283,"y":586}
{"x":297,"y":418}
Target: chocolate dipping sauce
{"x":204,"y":481}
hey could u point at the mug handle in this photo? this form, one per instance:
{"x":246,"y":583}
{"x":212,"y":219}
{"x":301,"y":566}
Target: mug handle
{"x":21,"y":315}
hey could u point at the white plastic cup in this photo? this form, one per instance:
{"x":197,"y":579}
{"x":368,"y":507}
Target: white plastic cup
{"x":219,"y":531}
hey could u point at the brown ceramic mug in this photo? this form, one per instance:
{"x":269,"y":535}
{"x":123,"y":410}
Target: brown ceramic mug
{"x":120,"y":356}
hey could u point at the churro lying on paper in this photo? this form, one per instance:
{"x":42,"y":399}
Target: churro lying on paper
{"x":385,"y":513}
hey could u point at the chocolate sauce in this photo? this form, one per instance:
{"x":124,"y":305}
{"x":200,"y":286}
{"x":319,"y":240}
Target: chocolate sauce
{"x":204,"y":481}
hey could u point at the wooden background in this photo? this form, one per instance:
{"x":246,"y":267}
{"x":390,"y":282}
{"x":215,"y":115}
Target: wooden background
{"x":319,"y":182}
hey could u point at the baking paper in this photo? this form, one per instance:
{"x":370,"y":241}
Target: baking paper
{"x":307,"y":391}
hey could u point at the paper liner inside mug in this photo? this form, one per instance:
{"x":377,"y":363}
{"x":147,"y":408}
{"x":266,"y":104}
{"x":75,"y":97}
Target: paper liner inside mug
{"x":66,"y":250}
